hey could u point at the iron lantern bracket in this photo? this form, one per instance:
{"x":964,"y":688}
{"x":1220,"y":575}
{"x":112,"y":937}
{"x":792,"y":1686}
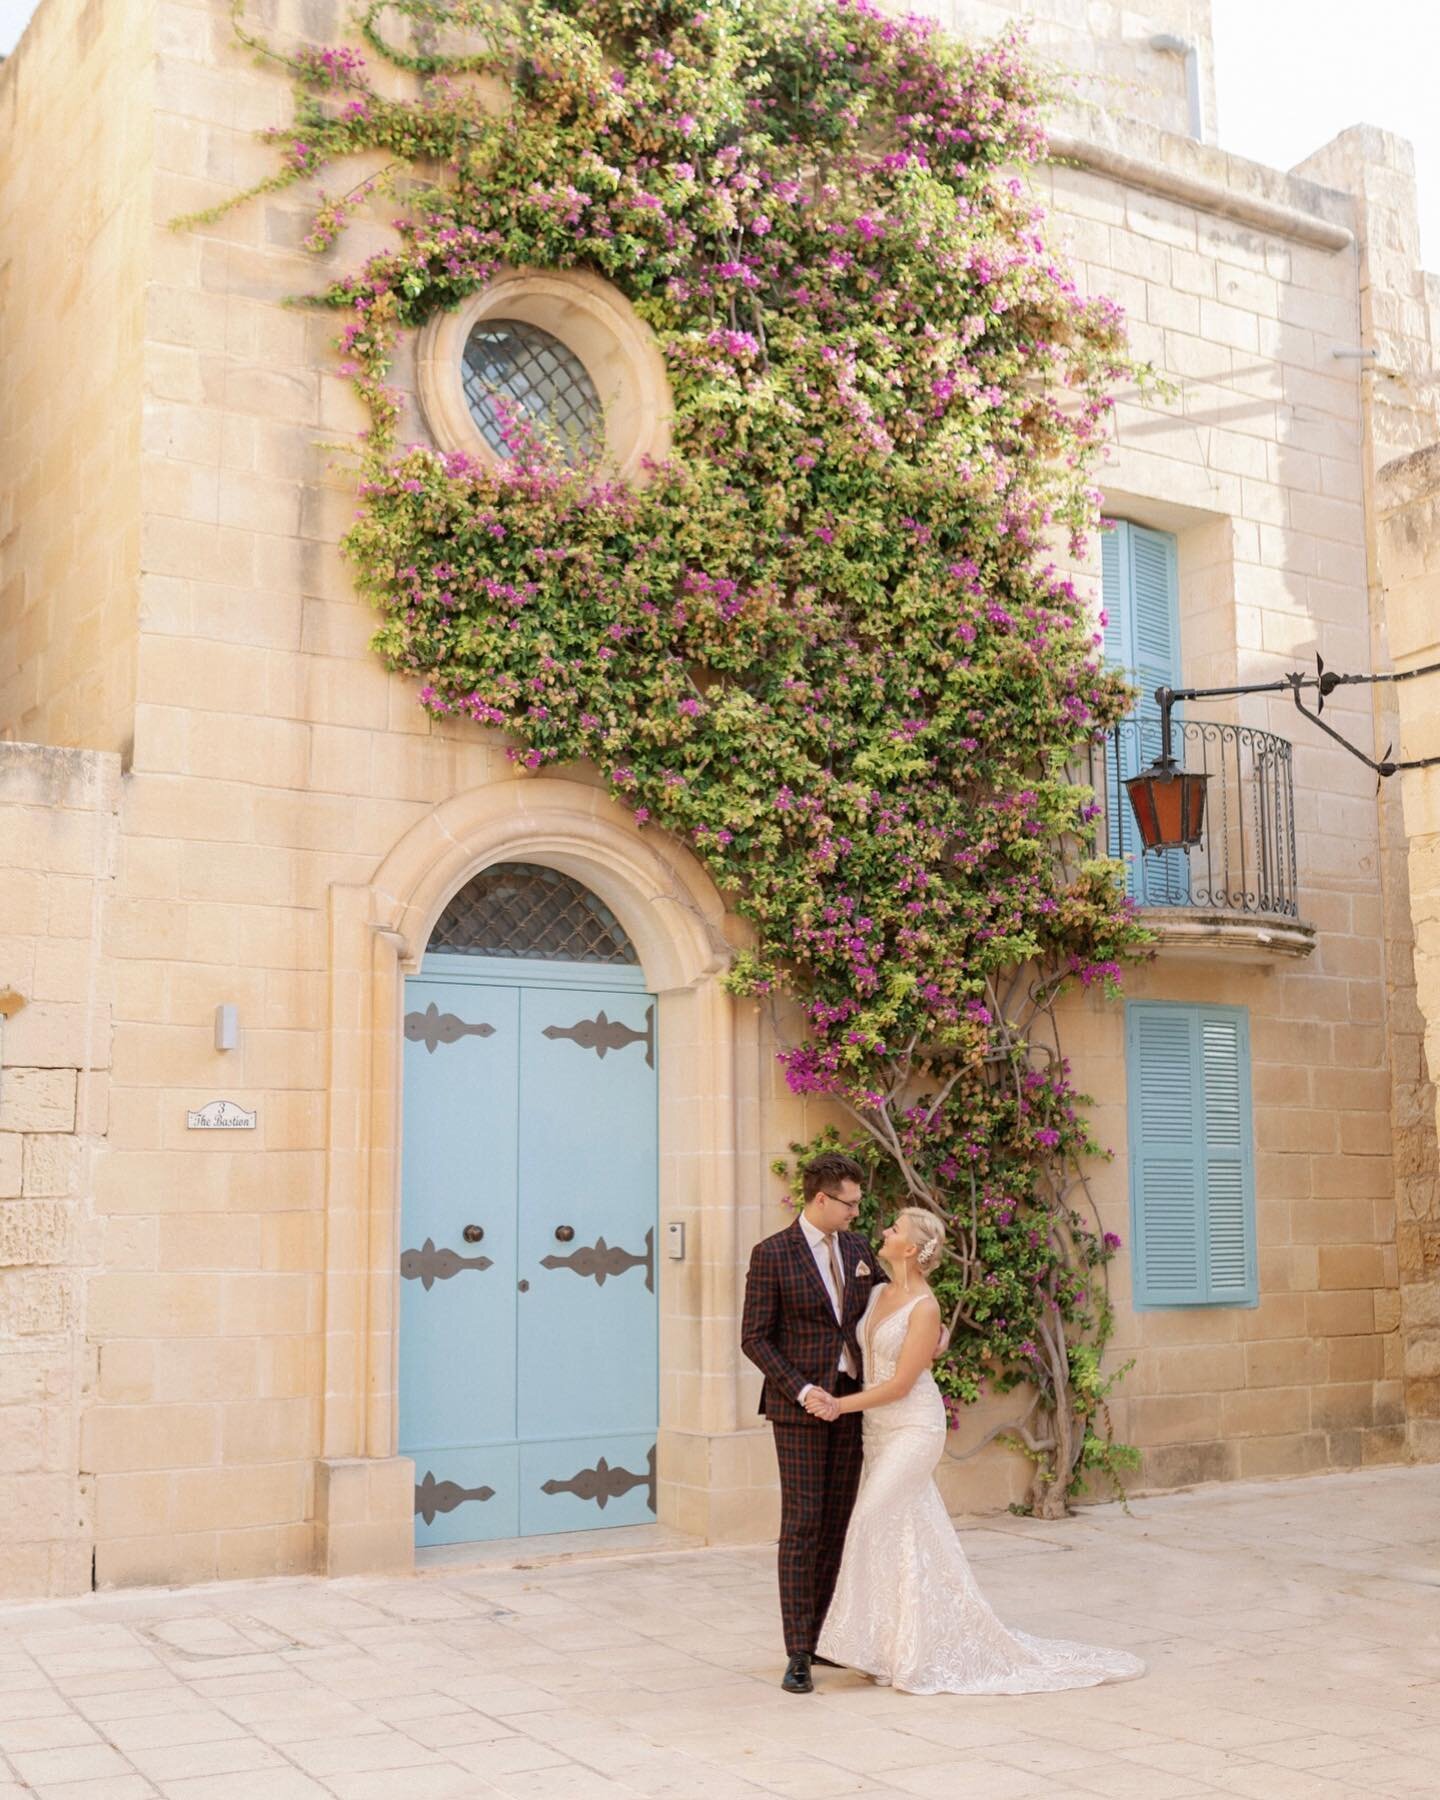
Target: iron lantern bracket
{"x":1322,"y":683}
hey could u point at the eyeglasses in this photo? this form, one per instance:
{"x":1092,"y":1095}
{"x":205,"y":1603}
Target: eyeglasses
{"x":849,"y":1205}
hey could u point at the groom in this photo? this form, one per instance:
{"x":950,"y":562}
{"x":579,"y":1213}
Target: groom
{"x":806,"y":1290}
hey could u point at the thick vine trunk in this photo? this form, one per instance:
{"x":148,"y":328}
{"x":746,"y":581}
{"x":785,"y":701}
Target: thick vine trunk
{"x":1048,"y":1497}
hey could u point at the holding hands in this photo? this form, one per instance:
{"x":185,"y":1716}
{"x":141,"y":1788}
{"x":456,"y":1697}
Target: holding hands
{"x":826,"y":1406}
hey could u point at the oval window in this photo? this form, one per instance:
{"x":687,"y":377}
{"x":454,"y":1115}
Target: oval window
{"x":516,"y":374}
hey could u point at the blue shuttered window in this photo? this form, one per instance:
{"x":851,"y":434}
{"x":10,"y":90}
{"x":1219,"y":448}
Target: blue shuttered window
{"x":1140,"y":584}
{"x":1192,"y":1158}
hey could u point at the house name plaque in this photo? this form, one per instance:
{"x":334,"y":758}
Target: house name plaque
{"x":220,"y":1115}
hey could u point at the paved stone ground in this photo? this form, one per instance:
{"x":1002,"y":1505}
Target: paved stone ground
{"x":1292,"y":1631}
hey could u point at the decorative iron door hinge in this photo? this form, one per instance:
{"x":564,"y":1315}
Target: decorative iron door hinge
{"x":427,"y":1265}
{"x":432,"y":1496}
{"x":602,"y":1483}
{"x":433,"y":1028}
{"x":599,"y":1260}
{"x":602,"y":1034}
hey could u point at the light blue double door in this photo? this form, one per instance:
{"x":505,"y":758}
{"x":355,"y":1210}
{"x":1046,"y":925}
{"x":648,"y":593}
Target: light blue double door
{"x":528,"y":1320}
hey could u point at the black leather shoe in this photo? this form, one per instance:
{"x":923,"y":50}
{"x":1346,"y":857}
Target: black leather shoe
{"x":797,"y":1675}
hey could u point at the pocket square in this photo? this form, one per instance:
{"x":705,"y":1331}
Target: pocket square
{"x":862,"y":1268}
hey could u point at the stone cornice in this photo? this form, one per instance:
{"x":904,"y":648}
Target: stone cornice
{"x":1209,"y":196}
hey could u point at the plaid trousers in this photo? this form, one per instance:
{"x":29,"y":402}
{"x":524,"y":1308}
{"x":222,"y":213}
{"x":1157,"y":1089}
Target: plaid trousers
{"x":819,"y":1476}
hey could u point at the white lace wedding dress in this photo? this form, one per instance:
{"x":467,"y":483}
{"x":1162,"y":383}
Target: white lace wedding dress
{"x":906,"y":1608}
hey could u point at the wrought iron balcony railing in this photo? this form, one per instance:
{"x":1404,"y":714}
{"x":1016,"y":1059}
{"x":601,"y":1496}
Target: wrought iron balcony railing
{"x":1245,"y":863}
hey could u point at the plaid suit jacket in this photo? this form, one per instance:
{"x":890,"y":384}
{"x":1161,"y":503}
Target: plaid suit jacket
{"x":789,"y":1329}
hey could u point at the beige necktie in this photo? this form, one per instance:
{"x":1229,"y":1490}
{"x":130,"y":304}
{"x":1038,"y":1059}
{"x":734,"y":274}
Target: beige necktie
{"x":835,"y":1275}
{"x":847,"y":1362}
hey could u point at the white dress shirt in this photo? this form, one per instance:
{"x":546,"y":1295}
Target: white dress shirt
{"x":815,"y":1238}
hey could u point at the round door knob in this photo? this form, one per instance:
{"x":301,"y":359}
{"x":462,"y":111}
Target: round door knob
{"x":524,"y":1286}
{"x":472,"y":1234}
{"x":564,"y":1233}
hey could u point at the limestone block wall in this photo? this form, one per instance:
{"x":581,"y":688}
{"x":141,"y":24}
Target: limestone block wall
{"x":1260,"y":469}
{"x":274,"y":761}
{"x":1105,"y":54}
{"x":57,"y":846}
{"x":76,"y":121}
{"x":1310,"y":1378}
{"x":1408,"y":508}
{"x":1400,"y":396}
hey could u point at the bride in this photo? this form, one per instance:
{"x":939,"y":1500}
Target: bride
{"x":906,"y":1608}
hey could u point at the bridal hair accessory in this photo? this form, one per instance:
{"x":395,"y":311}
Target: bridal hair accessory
{"x":925,"y":1233}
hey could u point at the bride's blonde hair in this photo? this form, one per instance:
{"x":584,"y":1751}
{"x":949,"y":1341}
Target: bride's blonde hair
{"x":927,"y":1234}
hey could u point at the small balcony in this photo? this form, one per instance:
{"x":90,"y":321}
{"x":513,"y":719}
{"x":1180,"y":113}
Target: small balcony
{"x":1237,"y":892}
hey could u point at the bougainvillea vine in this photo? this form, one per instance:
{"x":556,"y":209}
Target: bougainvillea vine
{"x":827,"y":643}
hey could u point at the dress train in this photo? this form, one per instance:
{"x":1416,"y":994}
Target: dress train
{"x":906,"y":1608}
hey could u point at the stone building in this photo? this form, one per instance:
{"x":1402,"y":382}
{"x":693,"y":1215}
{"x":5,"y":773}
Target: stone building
{"x":217,"y":1350}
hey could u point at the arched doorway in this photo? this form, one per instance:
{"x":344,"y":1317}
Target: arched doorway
{"x":528,"y":1322}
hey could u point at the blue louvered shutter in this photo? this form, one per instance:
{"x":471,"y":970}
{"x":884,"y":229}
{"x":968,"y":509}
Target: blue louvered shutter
{"x":1192,"y":1182}
{"x":1164,"y":880}
{"x":1155,"y":609}
{"x":1115,"y":593}
{"x":1167,"y":1246}
{"x":1229,"y":1166}
{"x":1141,"y":586}
{"x":1122,"y":840}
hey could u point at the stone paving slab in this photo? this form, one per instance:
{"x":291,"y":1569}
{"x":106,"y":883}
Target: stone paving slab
{"x":1292,"y":1632}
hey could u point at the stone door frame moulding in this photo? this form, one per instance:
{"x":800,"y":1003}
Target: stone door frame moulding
{"x":595,"y":322}
{"x":377,"y":935}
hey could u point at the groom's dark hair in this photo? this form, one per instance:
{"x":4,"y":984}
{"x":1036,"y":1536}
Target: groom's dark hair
{"x":823,"y":1174}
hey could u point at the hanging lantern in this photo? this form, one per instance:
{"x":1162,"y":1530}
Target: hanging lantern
{"x":1169,"y":807}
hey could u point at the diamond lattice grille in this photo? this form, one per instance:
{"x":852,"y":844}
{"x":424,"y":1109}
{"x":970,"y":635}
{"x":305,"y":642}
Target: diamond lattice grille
{"x":521,"y":909}
{"x":515,"y":370}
